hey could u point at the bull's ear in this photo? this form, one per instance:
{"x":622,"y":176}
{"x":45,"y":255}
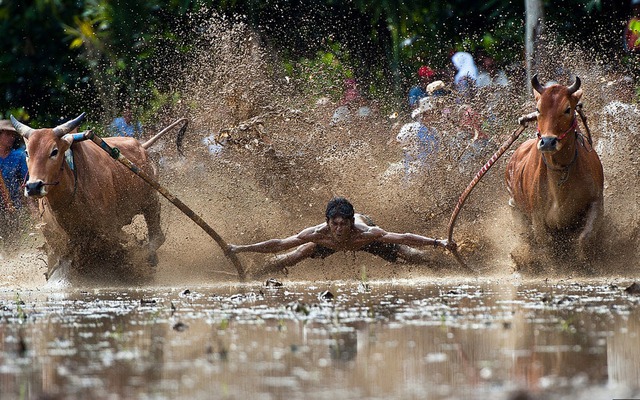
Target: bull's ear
{"x":536,"y":95}
{"x":577,"y":95}
{"x":67,"y":138}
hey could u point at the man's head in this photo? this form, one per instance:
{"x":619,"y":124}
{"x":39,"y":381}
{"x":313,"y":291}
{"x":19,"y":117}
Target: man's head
{"x":426,"y":73}
{"x":8,"y":134}
{"x":340,"y":218}
{"x":339,"y":207}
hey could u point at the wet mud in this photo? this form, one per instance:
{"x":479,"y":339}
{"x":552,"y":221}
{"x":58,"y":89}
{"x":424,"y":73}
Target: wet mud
{"x":264,"y":153}
{"x":430,"y":339}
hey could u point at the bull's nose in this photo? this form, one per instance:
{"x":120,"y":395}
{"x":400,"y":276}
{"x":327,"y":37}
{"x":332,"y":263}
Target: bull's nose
{"x":548,"y":143}
{"x":34,"y":188}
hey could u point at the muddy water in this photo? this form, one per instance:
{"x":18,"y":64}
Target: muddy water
{"x":436,"y":339}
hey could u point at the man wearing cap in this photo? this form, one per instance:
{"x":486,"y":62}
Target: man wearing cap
{"x":13,"y":166}
{"x":420,"y":142}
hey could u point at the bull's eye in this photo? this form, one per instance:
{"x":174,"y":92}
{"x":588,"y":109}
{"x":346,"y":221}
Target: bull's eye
{"x":568,"y":110}
{"x":54,"y":153}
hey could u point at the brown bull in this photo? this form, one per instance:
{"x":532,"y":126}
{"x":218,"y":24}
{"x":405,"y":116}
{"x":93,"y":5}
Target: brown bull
{"x":99,"y":196}
{"x":556,"y":180}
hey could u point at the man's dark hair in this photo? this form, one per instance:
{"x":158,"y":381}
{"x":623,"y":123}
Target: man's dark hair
{"x":339,"y":207}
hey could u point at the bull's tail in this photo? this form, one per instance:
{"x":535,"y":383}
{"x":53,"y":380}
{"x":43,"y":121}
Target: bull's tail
{"x":179,"y":138}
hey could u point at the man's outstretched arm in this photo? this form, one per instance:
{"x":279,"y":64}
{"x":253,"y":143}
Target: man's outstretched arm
{"x":413,"y":239}
{"x":276,"y":245}
{"x":268,"y":246}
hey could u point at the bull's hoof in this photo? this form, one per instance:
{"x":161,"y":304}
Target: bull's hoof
{"x":153,"y":259}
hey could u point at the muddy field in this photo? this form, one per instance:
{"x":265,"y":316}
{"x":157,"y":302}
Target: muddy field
{"x":404,"y":339}
{"x":110,"y":326}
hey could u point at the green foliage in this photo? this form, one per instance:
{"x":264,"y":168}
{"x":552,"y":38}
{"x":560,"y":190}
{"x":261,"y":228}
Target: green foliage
{"x":323,"y":74}
{"x":59,"y":58}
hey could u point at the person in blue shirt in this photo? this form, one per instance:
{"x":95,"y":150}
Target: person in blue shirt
{"x":125,"y":125}
{"x":13,"y":165}
{"x":426,"y":75}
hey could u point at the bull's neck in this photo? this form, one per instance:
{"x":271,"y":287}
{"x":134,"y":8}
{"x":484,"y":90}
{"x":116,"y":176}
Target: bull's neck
{"x":560,"y":163}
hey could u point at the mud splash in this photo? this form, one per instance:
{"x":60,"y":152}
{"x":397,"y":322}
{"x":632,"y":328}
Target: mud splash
{"x":280,"y":158}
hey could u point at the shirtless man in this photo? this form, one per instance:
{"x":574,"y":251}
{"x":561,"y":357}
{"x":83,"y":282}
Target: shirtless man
{"x":343,"y":231}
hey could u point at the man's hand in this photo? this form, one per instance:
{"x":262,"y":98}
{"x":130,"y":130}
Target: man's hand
{"x":449,"y":245}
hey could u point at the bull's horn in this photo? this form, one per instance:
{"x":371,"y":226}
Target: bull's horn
{"x":576,"y":85}
{"x":21,"y":128}
{"x":536,"y":85}
{"x":68,"y":126}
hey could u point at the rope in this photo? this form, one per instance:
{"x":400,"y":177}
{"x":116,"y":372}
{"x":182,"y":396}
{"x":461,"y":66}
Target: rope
{"x":463,"y":197}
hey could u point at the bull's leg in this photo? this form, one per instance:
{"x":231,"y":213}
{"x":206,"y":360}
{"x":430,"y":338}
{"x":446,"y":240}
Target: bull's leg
{"x":540,"y":234}
{"x":152,"y":218}
{"x":531,"y":257}
{"x":587,"y":245}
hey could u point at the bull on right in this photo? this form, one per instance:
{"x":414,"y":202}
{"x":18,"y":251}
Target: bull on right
{"x":556,"y":183}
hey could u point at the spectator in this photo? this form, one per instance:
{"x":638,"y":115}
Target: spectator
{"x":477,"y":145}
{"x":351,"y":100}
{"x":13,"y":166}
{"x":489,"y":75}
{"x":467,"y":72}
{"x":125,"y":125}
{"x":425,"y":75}
{"x":420,"y":142}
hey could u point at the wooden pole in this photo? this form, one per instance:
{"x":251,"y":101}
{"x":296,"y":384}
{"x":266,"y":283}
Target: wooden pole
{"x":115,"y":153}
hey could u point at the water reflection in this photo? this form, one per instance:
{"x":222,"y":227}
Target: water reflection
{"x":454,"y":340}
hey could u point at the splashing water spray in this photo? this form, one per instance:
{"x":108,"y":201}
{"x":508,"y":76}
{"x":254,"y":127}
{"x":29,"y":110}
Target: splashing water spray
{"x":115,"y":153}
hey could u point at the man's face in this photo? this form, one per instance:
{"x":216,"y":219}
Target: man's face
{"x":340,"y":228}
{"x":6,"y":139}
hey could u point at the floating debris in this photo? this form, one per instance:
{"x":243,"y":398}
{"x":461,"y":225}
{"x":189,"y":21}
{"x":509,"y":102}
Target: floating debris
{"x":298,"y":307}
{"x":180,"y":327}
{"x":326,"y":296}
{"x":364,"y":287}
{"x":272,"y":282}
{"x":633,"y":289}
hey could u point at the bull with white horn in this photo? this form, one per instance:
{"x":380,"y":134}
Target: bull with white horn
{"x":83,"y":190}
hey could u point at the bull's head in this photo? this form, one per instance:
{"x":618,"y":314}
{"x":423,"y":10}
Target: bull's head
{"x":45,"y":153}
{"x":556,"y":109}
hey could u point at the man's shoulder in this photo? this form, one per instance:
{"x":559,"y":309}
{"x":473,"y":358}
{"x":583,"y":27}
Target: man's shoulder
{"x":367,"y":230}
{"x":118,"y":121}
{"x":16,"y":156}
{"x":313,"y":230}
